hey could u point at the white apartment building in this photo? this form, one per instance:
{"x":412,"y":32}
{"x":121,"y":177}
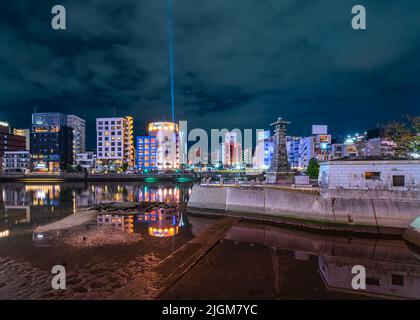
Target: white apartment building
{"x":114,"y":142}
{"x":293,"y":148}
{"x":16,"y":162}
{"x":301,"y":150}
{"x":167,"y":140}
{"x":263,"y":150}
{"x":370,"y":173}
{"x":248,"y":157}
{"x":79,"y":133}
{"x":86,"y":160}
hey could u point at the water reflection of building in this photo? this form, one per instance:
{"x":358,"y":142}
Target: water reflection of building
{"x":162,"y":223}
{"x":392,"y":270}
{"x":86,"y":195}
{"x":24,"y":204}
{"x":120,"y":222}
{"x":4,"y":233}
{"x":101,"y":193}
{"x":44,"y":194}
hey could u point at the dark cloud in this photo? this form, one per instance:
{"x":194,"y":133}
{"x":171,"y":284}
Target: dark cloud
{"x":237,"y":63}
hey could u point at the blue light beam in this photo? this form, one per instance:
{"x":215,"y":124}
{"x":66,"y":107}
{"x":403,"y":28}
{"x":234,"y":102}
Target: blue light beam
{"x":171,"y":55}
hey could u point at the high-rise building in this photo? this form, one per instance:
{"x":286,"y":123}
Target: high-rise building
{"x":146,"y":152}
{"x":79,"y":133}
{"x":198,"y":156}
{"x":167,"y":148}
{"x":129,"y":141}
{"x":183,"y":143}
{"x":49,"y":119}
{"x":293,"y":147}
{"x":263,"y":150}
{"x":248,"y":157}
{"x":217,"y":155}
{"x":114,"y":138}
{"x":317,"y":146}
{"x":231,"y":150}
{"x":51,"y":142}
{"x":24,"y":133}
{"x":8,"y":141}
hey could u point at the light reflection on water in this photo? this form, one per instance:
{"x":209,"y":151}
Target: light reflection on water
{"x":393,"y":269}
{"x":27,"y":205}
{"x":160,"y":222}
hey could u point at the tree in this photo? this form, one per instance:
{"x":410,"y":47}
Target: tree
{"x":405,"y":135}
{"x":415,"y":125}
{"x":313,"y":168}
{"x":69,"y":168}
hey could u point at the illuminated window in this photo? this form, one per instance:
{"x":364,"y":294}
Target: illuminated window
{"x":372,"y":175}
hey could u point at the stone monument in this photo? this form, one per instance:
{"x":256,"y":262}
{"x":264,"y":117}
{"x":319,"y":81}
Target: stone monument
{"x":279,"y":170}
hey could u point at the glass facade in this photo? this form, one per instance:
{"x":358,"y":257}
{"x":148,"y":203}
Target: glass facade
{"x":49,"y":119}
{"x":51,"y":142}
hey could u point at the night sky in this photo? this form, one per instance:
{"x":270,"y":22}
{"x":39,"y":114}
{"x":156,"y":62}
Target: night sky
{"x":237,"y":63}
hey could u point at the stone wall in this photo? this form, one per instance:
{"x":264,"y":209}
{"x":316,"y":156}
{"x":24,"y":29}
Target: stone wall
{"x":352,"y":175}
{"x":375,"y":212}
{"x":208,"y":198}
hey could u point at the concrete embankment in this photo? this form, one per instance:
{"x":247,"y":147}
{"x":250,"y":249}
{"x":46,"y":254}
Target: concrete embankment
{"x":351,"y":210}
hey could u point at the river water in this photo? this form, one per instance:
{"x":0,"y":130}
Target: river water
{"x":254,"y":261}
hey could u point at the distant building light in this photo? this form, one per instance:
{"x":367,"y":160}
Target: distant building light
{"x":4,"y":234}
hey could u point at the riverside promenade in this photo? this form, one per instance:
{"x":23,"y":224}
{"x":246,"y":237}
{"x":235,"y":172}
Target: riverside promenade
{"x":64,"y":177}
{"x":372,"y":211}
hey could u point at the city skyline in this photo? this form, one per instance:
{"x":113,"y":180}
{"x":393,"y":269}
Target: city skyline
{"x":209,"y":155}
{"x":307,"y":65}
